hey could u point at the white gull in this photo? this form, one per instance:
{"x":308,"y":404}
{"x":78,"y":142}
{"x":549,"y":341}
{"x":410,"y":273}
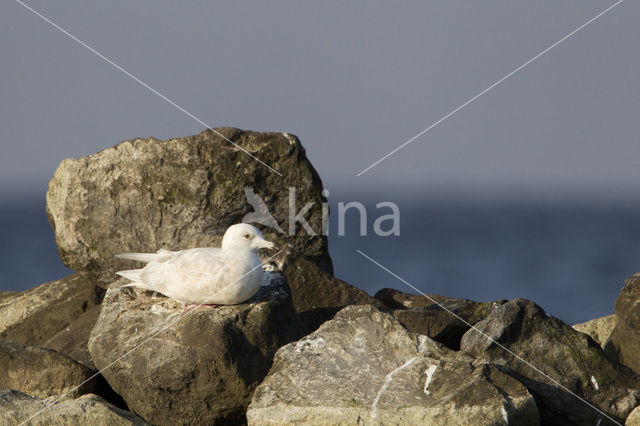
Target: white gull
{"x":219,"y":276}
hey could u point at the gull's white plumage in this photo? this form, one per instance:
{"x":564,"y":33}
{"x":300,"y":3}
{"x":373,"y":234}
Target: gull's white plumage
{"x":224,"y":276}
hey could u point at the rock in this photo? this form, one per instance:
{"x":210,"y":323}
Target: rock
{"x":317,"y":295}
{"x":364,"y":367}
{"x":88,"y":410}
{"x":436,"y":320}
{"x":634,"y":418}
{"x":624,"y":340}
{"x":72,"y":340}
{"x":42,"y":372}
{"x":199,"y":366}
{"x":568,"y":357}
{"x":146,"y":194}
{"x":32,"y":317}
{"x":599,"y":329}
{"x":626,"y":306}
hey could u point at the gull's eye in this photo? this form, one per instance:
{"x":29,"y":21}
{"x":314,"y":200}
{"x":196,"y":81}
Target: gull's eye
{"x":246,"y":236}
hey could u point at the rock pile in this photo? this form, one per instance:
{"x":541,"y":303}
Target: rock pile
{"x":308,"y":348}
{"x":364,"y":367}
{"x":564,"y":369}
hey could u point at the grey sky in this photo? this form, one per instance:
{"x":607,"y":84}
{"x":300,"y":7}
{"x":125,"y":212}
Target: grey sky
{"x":352,"y":79}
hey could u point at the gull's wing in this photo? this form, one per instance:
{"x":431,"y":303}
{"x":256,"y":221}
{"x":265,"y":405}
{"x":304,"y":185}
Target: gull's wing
{"x":185,"y":270}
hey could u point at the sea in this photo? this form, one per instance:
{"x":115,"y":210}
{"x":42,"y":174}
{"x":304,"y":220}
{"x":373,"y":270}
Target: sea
{"x":571,"y":259}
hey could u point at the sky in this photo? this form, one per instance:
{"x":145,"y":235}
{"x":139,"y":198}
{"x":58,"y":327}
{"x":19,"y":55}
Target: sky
{"x":353,"y":80}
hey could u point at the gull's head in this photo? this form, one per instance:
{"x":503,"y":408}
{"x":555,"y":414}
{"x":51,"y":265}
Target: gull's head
{"x":245,"y":236}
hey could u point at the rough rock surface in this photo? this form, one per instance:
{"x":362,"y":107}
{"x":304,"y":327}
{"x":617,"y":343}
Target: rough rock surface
{"x":32,"y":317}
{"x":438,"y":321}
{"x":634,"y":418}
{"x":624,"y":342}
{"x":42,"y":372}
{"x":146,"y":194}
{"x":197,"y":367}
{"x":363,"y":367}
{"x":88,"y":410}
{"x":567,"y":356}
{"x":72,"y":340}
{"x":599,"y":328}
{"x":317,"y":295}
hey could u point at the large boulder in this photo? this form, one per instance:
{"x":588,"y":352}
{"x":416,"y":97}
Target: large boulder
{"x":199,"y":366}
{"x":364,"y":367}
{"x":576,"y":373}
{"x":624,"y":341}
{"x":42,"y":372}
{"x":147,"y":194}
{"x":599,"y":329}
{"x":88,"y":410}
{"x":317,"y":295}
{"x":32,"y":317}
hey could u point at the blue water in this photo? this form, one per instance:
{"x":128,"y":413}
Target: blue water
{"x":571,"y":260}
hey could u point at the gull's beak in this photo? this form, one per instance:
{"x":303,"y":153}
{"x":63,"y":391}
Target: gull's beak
{"x":265,"y":244}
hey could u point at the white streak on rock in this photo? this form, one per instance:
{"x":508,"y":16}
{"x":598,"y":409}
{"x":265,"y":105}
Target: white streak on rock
{"x":385,"y":385}
{"x":430,"y":372}
{"x":505,"y":415}
{"x":594,"y":382}
{"x":599,"y":421}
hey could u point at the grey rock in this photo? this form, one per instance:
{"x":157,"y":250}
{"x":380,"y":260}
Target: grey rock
{"x":364,"y":367}
{"x":624,"y":341}
{"x":146,"y":194}
{"x":599,"y":328}
{"x":88,"y":410}
{"x":32,"y":317}
{"x":571,"y":359}
{"x":317,"y":295}
{"x":194,"y":367}
{"x":42,"y":372}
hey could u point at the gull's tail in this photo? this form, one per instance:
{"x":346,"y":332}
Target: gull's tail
{"x":134,"y":275}
{"x":131,"y":274}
